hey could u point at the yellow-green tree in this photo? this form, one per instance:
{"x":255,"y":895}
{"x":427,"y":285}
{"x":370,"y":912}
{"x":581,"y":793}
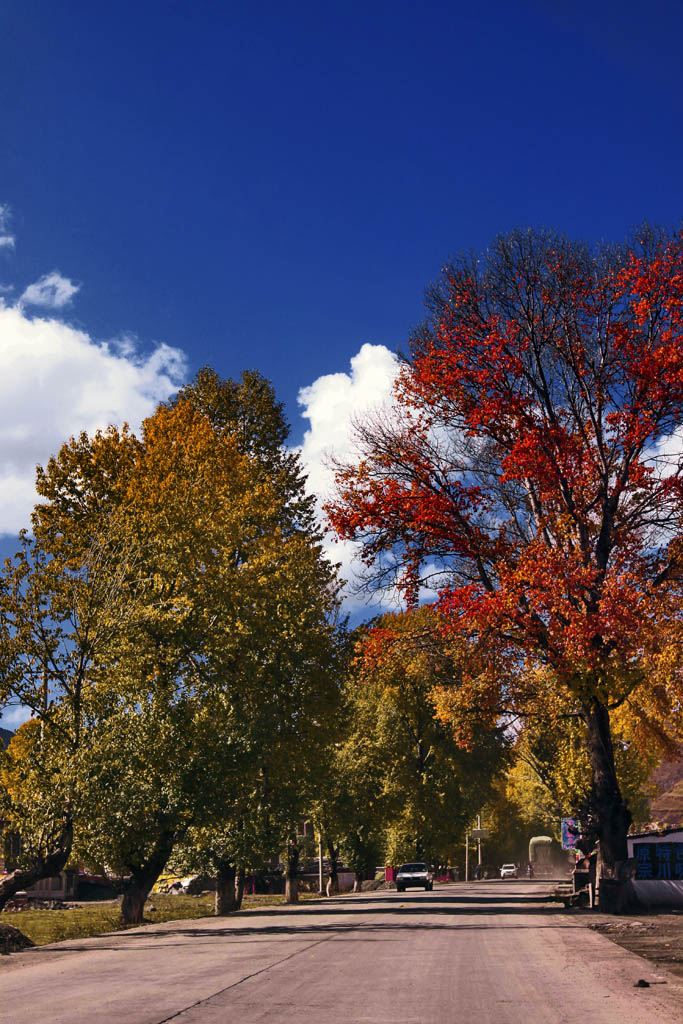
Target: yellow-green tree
{"x":550,"y":775}
{"x":61,"y":604}
{"x":226,"y":644}
{"x":431,"y":782}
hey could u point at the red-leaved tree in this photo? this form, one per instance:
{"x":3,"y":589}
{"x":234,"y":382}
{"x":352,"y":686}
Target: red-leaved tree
{"x":529,"y":472}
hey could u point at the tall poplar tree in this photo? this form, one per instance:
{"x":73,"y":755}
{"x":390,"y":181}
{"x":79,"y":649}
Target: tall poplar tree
{"x":227,"y":646}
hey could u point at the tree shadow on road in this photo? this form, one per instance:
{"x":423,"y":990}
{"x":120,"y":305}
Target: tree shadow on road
{"x":360,"y":916}
{"x":483,"y":900}
{"x":369,"y":931}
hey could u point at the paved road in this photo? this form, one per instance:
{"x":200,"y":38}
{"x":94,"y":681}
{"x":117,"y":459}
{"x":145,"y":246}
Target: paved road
{"x":490,"y":952}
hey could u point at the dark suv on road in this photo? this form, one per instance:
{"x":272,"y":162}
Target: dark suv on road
{"x":416,"y":876}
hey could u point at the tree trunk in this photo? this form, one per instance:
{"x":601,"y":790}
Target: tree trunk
{"x":332,"y":887}
{"x":611,"y":816}
{"x":133,"y":901}
{"x":239,"y":887}
{"x":43,"y":866}
{"x":226,"y":893}
{"x":142,"y":879}
{"x":292,"y":872}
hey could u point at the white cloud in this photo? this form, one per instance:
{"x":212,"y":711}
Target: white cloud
{"x":57,"y":381}
{"x":13,"y":717}
{"x":330,"y":404}
{"x":6,"y":239}
{"x":51,"y":291}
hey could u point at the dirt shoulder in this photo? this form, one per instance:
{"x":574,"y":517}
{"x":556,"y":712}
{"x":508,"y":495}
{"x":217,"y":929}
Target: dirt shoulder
{"x":656,"y":936}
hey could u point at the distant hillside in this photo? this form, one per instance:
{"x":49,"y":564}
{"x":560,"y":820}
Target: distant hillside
{"x":5,"y":737}
{"x":667,"y":807}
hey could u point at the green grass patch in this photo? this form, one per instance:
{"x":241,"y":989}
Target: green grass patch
{"x":45,"y":926}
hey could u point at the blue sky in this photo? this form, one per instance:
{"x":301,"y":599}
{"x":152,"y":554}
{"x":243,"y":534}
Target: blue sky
{"x":273,"y":185}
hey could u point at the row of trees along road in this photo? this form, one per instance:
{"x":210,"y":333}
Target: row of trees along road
{"x":403,"y":786}
{"x":170,"y":624}
{"x":530,"y":471}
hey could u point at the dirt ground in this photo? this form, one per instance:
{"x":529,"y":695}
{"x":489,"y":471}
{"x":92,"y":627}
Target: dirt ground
{"x":656,"y":936}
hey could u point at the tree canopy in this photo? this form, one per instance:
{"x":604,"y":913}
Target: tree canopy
{"x":195,"y":655}
{"x":530,"y":472}
{"x":428,"y":783}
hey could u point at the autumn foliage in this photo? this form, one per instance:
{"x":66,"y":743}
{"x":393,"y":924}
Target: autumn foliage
{"x":170,"y":626}
{"x":529,"y":472}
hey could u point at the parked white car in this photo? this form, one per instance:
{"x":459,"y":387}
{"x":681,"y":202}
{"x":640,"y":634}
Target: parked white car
{"x":508,"y":871}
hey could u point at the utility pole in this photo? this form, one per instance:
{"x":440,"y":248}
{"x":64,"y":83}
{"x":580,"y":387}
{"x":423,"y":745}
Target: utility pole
{"x":320,"y":863}
{"x":477,"y":833}
{"x":467,"y":856}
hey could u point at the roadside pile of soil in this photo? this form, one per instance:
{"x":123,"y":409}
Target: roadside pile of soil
{"x":656,"y":937}
{"x":12,"y":940}
{"x":15,"y":906}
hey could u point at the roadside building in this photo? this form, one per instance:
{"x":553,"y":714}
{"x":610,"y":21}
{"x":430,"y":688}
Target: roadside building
{"x":658,"y":860}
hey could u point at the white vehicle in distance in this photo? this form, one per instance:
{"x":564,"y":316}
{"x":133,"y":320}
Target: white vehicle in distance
{"x":508,"y":871}
{"x":416,"y":876}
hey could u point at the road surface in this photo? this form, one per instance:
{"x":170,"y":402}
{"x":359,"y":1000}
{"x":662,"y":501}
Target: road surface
{"x":493,"y":952}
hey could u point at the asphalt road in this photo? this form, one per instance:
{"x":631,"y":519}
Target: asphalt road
{"x":485,"y":952}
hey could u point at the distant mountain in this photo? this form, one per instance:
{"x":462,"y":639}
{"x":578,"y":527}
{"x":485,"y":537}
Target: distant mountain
{"x":5,"y":737}
{"x":667,"y":807}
